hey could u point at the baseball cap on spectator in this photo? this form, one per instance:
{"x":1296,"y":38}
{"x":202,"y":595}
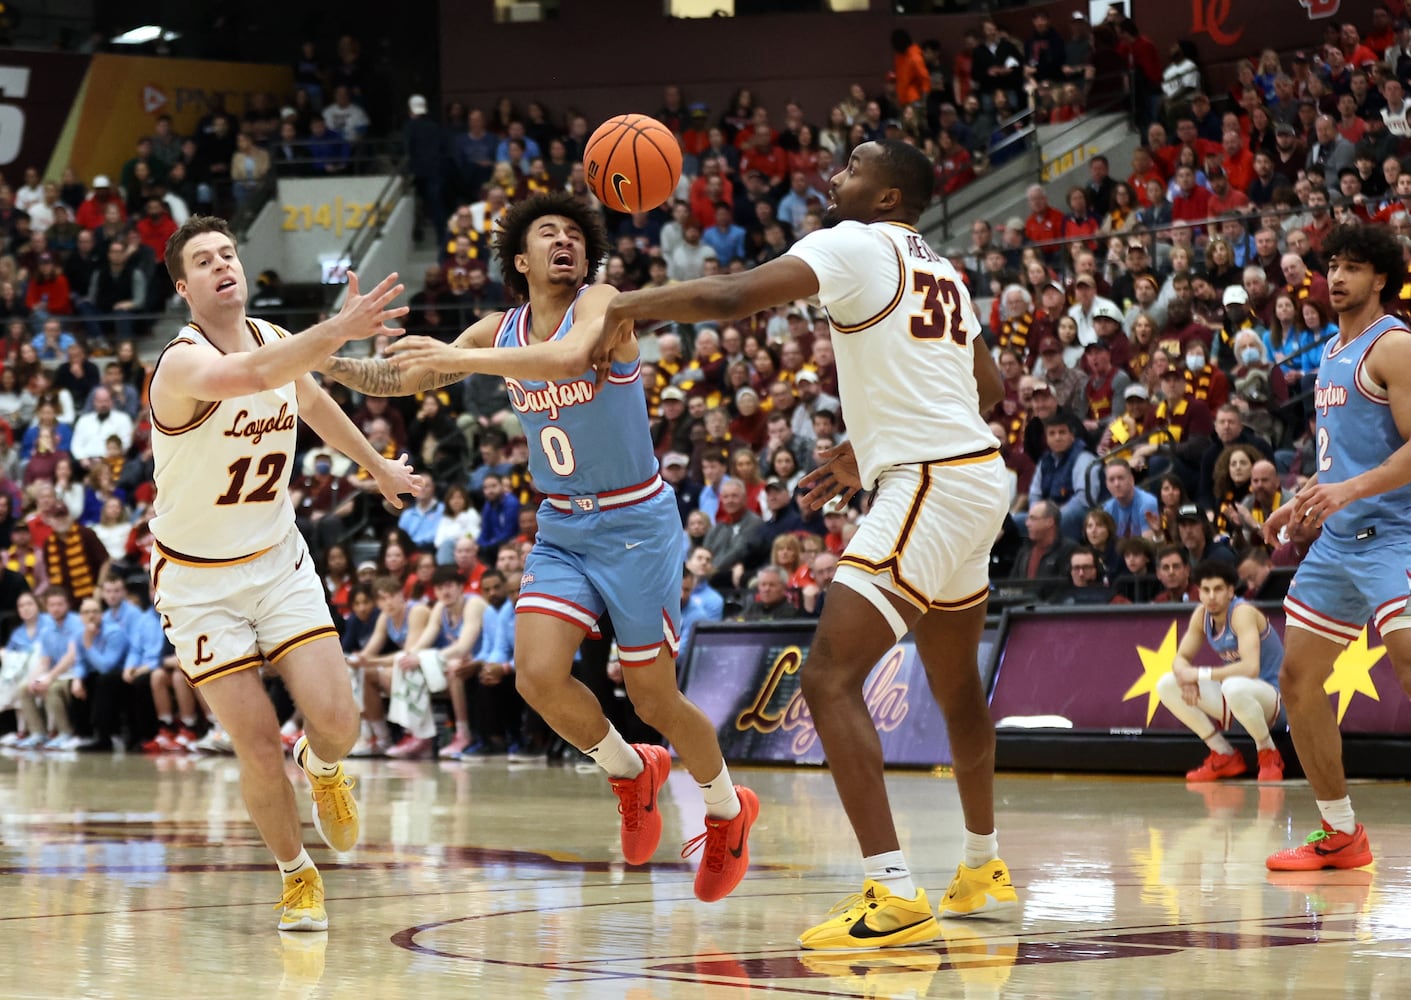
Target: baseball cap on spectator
{"x":1300,"y":57}
{"x":835,"y":506}
{"x":1042,"y":387}
{"x":1078,"y":16}
{"x":288,"y":111}
{"x":1107,"y":310}
{"x":775,"y":483}
{"x":101,"y":181}
{"x":1284,"y":128}
{"x":1014,"y":222}
{"x":674,"y":458}
{"x":416,"y":104}
{"x":1348,"y":170}
{"x":367,"y":566}
{"x":806,"y":375}
{"x":1136,"y":244}
{"x":1174,"y":373}
{"x":796,"y":311}
{"x":671,"y":393}
{"x":1189,"y":512}
{"x":1235,"y":295}
{"x":1135,"y":391}
{"x":745,"y":390}
{"x":1085,"y":279}
{"x":1050,"y":345}
{"x":892,"y":123}
{"x":1056,"y":286}
{"x":1097,"y":345}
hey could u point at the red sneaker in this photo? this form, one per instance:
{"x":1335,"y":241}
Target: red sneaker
{"x":1217,"y":766}
{"x":163,"y":742}
{"x":637,"y":802}
{"x":1271,"y":766}
{"x":727,"y":849}
{"x":1325,"y":848}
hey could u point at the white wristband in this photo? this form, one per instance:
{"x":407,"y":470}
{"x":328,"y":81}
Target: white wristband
{"x":1203,"y":673}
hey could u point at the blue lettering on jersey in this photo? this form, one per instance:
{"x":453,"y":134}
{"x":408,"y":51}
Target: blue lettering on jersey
{"x":1357,"y":432}
{"x":583,"y":438}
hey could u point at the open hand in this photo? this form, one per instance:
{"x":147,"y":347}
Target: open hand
{"x":364,"y":316}
{"x":1319,"y":502}
{"x":837,"y":476}
{"x":429,"y":354}
{"x":394,"y":478}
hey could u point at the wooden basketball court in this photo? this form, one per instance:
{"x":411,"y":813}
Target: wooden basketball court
{"x":127,"y":877}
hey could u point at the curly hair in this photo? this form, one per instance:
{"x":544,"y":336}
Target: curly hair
{"x":515,"y":228}
{"x":1369,"y":244}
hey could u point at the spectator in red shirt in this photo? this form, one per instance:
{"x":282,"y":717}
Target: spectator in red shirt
{"x":1146,"y":68}
{"x":1144,"y":169}
{"x":1224,"y":196}
{"x":1236,"y":160}
{"x":1079,"y":222}
{"x":1353,"y":50}
{"x":763,"y":155}
{"x":913,"y":78}
{"x":954,"y":168}
{"x":48,"y":293}
{"x":1303,"y":283}
{"x":1192,"y":203}
{"x":1045,"y":223}
{"x":90,"y":214}
{"x":156,"y":226}
{"x":1188,"y":135}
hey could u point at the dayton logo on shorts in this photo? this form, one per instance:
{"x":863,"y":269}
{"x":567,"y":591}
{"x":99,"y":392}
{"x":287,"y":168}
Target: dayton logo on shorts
{"x":584,"y":503}
{"x":550,"y":399}
{"x":1325,"y":397}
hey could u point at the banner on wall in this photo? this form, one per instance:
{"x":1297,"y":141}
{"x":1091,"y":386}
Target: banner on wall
{"x":746,"y":680}
{"x":38,"y":90}
{"x":1099,"y":669}
{"x":123,"y":96}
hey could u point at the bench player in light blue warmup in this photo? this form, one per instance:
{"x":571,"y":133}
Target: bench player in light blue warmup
{"x":609,"y":532}
{"x":1361,"y":497}
{"x":1245,"y":686}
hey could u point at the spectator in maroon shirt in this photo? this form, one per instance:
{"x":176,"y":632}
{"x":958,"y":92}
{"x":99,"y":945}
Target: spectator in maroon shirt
{"x":1045,"y":223}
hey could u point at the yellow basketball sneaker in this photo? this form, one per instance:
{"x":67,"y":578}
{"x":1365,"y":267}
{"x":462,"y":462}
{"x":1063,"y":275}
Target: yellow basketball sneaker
{"x":335,"y":809}
{"x":301,"y":908}
{"x":878,"y":973}
{"x":874,"y":918}
{"x":980,"y":892}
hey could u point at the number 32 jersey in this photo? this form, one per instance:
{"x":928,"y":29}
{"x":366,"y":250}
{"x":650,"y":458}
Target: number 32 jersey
{"x":904,"y":332}
{"x":223,"y":477}
{"x":583,"y":439}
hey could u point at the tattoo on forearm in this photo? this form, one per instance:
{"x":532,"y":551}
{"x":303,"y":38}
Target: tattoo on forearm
{"x":370,"y":376}
{"x":379,"y":377}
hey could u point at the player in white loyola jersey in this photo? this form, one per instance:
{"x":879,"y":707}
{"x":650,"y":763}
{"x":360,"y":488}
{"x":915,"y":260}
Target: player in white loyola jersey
{"x":231,"y":576}
{"x":913,"y":382}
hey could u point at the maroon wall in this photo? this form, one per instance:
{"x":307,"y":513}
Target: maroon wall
{"x":610,"y":57}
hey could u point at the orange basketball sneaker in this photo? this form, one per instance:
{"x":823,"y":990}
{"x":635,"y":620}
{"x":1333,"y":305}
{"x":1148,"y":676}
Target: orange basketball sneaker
{"x":727,"y":849}
{"x":1217,"y":766}
{"x":1325,"y":848}
{"x":637,"y":802}
{"x":1271,"y":766}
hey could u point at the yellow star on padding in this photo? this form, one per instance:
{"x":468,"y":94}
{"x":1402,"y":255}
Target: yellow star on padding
{"x":1352,"y":673}
{"x":1156,"y":664}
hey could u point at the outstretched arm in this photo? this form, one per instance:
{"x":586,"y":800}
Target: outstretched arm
{"x":393,"y":477}
{"x":564,"y":358}
{"x":381,"y":377}
{"x":719,"y":297}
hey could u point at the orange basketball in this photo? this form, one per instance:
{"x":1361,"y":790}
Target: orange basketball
{"x":632,"y":163}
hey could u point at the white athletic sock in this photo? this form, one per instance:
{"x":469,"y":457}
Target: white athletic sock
{"x":189,"y":721}
{"x":290,"y":727}
{"x":721,"y":802}
{"x":166,"y":721}
{"x":381,"y":730}
{"x":463,"y":731}
{"x":301,"y":863}
{"x":1337,"y":813}
{"x":890,"y":870}
{"x":316,"y":766}
{"x":980,"y":848}
{"x":1267,"y":743}
{"x":1219,"y":744}
{"x":616,"y":756}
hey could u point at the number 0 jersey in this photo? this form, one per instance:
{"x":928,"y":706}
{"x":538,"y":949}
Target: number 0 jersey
{"x":223,"y":478}
{"x":904,"y":332}
{"x":583,"y":439}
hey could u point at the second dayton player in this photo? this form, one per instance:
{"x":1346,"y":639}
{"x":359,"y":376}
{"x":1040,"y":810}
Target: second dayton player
{"x":1358,"y":567}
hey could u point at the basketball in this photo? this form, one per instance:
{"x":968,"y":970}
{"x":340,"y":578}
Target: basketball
{"x":632,"y":163}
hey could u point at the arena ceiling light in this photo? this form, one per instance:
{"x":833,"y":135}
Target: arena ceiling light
{"x":144,"y":34}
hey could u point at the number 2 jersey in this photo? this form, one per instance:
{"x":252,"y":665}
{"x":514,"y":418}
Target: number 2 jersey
{"x":583,"y":439}
{"x":904,"y":332}
{"x":1357,"y":432}
{"x":223,"y":477}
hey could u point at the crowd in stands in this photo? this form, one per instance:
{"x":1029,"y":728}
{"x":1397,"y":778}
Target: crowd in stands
{"x":1158,"y":340}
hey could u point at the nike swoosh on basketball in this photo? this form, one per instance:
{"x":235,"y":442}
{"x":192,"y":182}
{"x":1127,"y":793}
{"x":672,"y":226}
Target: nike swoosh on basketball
{"x":618,"y":182}
{"x":861,"y":930}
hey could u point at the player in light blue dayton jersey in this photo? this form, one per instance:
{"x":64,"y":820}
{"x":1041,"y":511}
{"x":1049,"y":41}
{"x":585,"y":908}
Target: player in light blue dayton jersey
{"x":609,"y":531}
{"x":1361,"y":498}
